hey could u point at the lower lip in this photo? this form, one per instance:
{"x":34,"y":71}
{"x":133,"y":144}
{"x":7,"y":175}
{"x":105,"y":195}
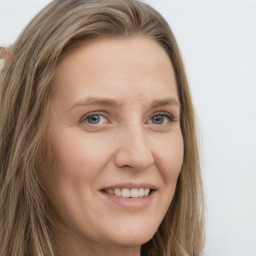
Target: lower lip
{"x":131,"y":203}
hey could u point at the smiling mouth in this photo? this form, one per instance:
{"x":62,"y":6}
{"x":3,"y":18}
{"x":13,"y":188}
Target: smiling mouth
{"x":128,"y":193}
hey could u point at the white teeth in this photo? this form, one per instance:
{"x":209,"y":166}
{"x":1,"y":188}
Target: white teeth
{"x":126,"y":192}
{"x":117,"y":192}
{"x":146,"y":191}
{"x":111,"y":191}
{"x":135,"y":193}
{"x":141,"y":192}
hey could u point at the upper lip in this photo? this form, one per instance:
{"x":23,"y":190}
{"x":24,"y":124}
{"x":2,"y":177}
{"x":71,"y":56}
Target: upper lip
{"x":131,"y":185}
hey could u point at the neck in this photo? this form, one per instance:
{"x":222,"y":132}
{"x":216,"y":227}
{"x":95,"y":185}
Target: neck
{"x":76,"y":249}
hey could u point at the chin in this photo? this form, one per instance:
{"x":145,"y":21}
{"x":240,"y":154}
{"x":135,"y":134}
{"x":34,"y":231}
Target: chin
{"x":137,"y":237}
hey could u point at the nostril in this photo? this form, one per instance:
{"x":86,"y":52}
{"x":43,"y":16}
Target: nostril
{"x":134,"y":153}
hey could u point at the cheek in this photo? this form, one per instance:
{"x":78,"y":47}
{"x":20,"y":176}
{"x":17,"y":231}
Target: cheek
{"x":75,"y":166}
{"x":170,"y":158}
{"x":78,"y":155}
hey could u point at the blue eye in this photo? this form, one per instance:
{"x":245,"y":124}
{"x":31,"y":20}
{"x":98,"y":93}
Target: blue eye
{"x":95,"y":119}
{"x":161,"y":119}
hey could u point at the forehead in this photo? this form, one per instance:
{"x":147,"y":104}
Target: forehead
{"x":133,"y":67}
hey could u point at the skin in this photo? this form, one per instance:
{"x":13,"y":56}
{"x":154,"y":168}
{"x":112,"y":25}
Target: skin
{"x":3,"y":53}
{"x":125,"y":145}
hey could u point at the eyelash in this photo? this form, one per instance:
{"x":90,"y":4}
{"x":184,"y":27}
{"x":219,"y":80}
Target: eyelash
{"x":164,"y":114}
{"x":83,"y":119}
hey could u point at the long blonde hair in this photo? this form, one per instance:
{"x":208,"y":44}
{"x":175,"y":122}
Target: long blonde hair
{"x":25,"y":90}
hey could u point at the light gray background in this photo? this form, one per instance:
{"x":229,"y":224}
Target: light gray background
{"x":218,"y":44}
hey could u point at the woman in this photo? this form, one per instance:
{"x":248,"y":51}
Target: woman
{"x":98,"y":146}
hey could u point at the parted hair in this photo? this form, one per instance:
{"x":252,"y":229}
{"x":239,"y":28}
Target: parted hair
{"x":25,"y":91}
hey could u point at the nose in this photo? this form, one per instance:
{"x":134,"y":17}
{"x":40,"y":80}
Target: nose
{"x":133,"y":150}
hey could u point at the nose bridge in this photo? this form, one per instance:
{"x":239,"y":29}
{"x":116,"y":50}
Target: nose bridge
{"x":133,"y":149}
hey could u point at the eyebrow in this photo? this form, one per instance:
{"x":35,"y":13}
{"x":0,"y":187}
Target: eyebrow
{"x":96,"y":101}
{"x":112,"y":103}
{"x":165,"y":102}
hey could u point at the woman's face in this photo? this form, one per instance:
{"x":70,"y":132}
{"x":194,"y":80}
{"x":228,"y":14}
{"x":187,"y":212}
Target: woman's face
{"x":117,"y":142}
